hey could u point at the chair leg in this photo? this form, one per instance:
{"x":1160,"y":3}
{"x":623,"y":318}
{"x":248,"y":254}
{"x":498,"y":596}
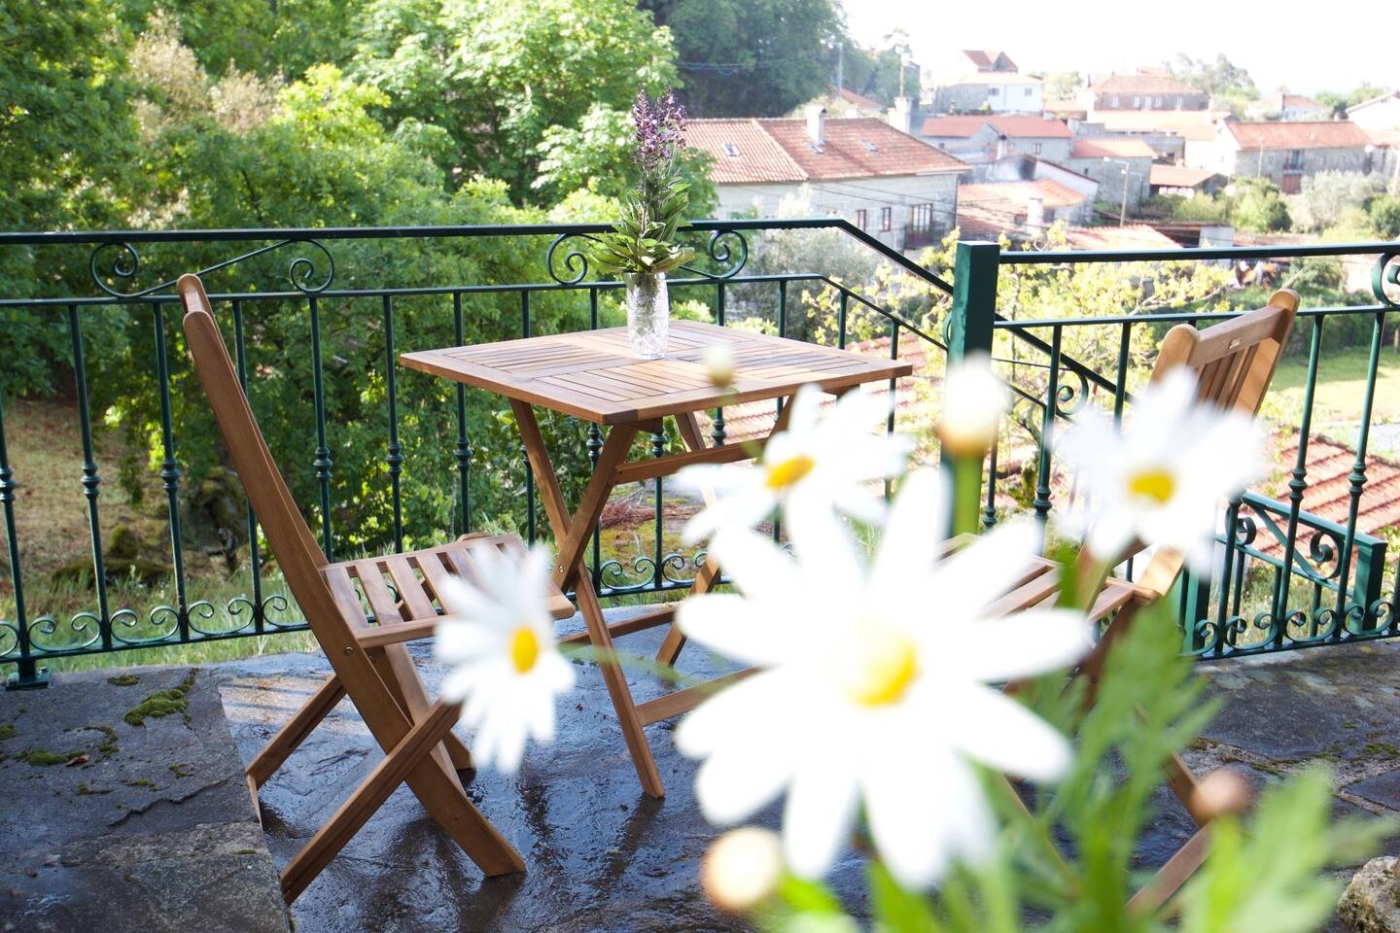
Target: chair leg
{"x":291,"y":735}
{"x":406,"y":761}
{"x":402,"y":679}
{"x":1171,"y":876}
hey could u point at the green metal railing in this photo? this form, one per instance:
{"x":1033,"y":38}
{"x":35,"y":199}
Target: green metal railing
{"x":315,"y":264}
{"x":1287,"y":578}
{"x":428,"y":440}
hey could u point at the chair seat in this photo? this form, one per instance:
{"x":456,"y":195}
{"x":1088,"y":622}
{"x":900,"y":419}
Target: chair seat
{"x":399,"y":592}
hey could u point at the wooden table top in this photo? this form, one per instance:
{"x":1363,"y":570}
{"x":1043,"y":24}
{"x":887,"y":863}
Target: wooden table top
{"x":593,"y":374}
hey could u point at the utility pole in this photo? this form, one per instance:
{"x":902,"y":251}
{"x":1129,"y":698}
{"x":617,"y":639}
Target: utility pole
{"x":1123,"y":212}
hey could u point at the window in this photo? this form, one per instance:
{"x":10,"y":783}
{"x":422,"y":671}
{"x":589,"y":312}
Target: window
{"x":1157,"y":101}
{"x":1179,"y":102}
{"x":1137,"y":101}
{"x":993,"y":92}
{"x":1115,"y":102}
{"x":731,"y":150}
{"x":1030,"y":92}
{"x":1035,"y":148}
{"x":862,"y":218}
{"x":885,"y":219}
{"x":921,"y":230}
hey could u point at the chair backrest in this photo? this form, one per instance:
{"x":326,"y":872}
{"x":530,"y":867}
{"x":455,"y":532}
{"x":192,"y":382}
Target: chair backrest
{"x":297,"y":552}
{"x":1234,"y":363}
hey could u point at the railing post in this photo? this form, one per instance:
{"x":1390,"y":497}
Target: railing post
{"x":974,"y":299}
{"x":970,"y":332}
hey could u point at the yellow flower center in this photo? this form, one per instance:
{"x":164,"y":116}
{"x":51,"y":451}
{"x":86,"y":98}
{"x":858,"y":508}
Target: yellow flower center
{"x":524,"y":649}
{"x":788,"y":473}
{"x":1157,"y":485}
{"x":875,"y":665}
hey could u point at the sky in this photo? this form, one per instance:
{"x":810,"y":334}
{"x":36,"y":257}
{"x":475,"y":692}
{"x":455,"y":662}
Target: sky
{"x":1306,"y":47}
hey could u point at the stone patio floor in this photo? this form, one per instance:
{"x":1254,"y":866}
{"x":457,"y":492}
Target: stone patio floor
{"x":154,"y":830}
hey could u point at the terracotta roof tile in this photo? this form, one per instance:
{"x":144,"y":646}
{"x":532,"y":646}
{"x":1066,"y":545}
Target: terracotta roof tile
{"x":1012,"y":127}
{"x":1311,"y":134}
{"x":1134,"y":236}
{"x":1328,"y":494}
{"x":860,"y":101}
{"x":1111,"y":148}
{"x":742,"y":151}
{"x":1015,"y":195}
{"x":861,"y":148}
{"x":983,"y":223}
{"x":751,"y":151}
{"x":1298,"y":101}
{"x":1179,"y":176}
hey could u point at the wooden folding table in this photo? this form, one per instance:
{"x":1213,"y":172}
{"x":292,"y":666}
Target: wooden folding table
{"x":594,"y":376}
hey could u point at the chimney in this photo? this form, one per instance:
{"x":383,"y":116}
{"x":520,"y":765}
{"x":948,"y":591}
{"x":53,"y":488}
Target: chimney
{"x":816,"y":124}
{"x":901,"y":115}
{"x":1035,"y":214}
{"x":1001,"y":147}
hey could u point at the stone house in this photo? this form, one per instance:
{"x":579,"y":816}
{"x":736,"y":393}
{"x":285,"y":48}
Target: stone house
{"x":1141,"y":92}
{"x":1182,"y":182}
{"x":893,"y":185}
{"x":1285,"y":106}
{"x":1118,"y":164}
{"x":1284,"y":153}
{"x":983,"y":138}
{"x":983,"y":81}
{"x":1378,"y":113}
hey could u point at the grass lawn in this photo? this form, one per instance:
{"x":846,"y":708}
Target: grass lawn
{"x":1341,"y":386}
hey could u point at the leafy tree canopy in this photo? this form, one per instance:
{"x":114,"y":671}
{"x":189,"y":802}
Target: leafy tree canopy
{"x":749,"y":58}
{"x":501,"y":79}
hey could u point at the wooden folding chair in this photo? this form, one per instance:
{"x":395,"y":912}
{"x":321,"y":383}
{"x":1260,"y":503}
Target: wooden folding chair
{"x":1234,"y":363}
{"x":370,"y":662}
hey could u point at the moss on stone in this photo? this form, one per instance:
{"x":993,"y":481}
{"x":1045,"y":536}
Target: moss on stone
{"x":182,"y":771}
{"x":141,"y":782}
{"x":124,"y":680}
{"x":85,"y":791}
{"x":164,"y":703}
{"x":42,"y":758}
{"x":1380,"y":750}
{"x":7,"y":731}
{"x":109,"y":747}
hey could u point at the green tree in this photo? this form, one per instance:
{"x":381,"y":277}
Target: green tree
{"x":1328,"y":196}
{"x":750,"y":58}
{"x":1340,"y":102}
{"x":876,"y":73}
{"x":1259,"y":207}
{"x":504,"y":78}
{"x":1384,"y":214}
{"x":1228,"y":85}
{"x":67,"y":136}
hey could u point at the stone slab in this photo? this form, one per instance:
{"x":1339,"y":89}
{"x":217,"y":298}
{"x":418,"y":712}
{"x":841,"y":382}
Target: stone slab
{"x":1331,"y":704}
{"x":140,"y":827}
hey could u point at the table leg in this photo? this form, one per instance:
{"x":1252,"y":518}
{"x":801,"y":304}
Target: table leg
{"x":705,"y":576}
{"x":614,"y":451}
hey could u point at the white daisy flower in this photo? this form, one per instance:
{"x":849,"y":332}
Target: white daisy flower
{"x":874,"y":685}
{"x":974,"y":401}
{"x":498,"y":639}
{"x":827,"y":461}
{"x":1161,"y":481}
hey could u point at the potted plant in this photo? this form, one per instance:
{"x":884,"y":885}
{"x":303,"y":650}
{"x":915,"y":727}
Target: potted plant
{"x":642,"y":247}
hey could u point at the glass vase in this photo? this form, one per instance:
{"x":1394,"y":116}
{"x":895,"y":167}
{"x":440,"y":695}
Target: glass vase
{"x":648,"y":313}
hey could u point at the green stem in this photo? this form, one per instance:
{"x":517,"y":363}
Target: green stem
{"x":967,"y":488}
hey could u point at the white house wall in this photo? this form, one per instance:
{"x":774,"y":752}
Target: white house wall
{"x":845,"y":198}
